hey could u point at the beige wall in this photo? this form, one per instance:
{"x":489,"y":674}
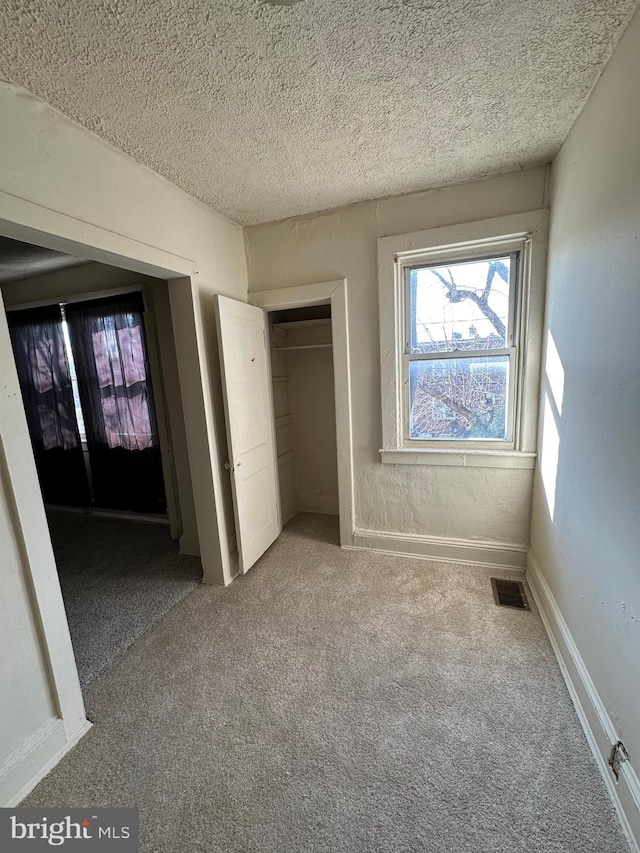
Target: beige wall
{"x":305,"y":412}
{"x":586,"y":509}
{"x":313,"y":407}
{"x":58,"y":179}
{"x":175,"y":417}
{"x":488,"y":505}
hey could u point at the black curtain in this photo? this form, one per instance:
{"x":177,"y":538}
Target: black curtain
{"x":45,"y":382}
{"x":108,"y":343}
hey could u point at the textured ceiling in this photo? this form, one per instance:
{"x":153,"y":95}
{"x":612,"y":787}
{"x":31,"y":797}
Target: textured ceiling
{"x":22,"y":260}
{"x":268,"y":111}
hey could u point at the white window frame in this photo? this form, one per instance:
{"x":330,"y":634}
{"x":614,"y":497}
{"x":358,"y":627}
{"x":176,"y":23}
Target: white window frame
{"x":525,"y":233}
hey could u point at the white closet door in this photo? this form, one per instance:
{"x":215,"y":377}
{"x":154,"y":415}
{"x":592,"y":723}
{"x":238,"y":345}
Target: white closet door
{"x":246,"y":381}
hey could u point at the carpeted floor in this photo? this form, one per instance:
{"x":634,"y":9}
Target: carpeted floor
{"x":118,"y":577}
{"x":341,"y":702}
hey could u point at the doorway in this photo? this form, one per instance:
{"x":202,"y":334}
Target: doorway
{"x":302,"y":374}
{"x":95,"y":356}
{"x":51,"y":716}
{"x":325,"y":333}
{"x":245,"y":350}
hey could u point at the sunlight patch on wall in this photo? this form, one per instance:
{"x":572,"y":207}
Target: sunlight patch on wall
{"x":550,"y":453}
{"x":554,"y":372}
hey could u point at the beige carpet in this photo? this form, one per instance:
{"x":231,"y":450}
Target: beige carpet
{"x":118,"y":577}
{"x":335,"y":701}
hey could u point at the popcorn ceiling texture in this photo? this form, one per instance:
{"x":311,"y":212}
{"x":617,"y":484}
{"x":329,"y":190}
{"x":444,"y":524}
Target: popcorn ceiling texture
{"x":265,"y":112}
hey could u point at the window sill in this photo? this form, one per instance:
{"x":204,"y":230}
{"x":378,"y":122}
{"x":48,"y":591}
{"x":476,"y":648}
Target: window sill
{"x":461,"y":458}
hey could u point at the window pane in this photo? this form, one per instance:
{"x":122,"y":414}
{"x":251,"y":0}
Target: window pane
{"x":457,"y":398}
{"x":74,"y":377}
{"x":460,"y":306}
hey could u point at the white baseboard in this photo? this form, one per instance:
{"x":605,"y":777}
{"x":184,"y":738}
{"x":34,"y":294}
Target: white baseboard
{"x":152,"y":518}
{"x":494,"y":554}
{"x":29,"y":763}
{"x":189,"y":547}
{"x":596,"y":722}
{"x":322,"y":504}
{"x":289,"y":515}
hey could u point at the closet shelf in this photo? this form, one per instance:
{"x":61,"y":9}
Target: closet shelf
{"x":283,"y":420}
{"x":306,"y":346}
{"x":302,"y":324}
{"x":279,"y":378}
{"x":285,"y":457}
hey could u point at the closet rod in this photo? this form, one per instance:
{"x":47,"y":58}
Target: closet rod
{"x":306,"y":346}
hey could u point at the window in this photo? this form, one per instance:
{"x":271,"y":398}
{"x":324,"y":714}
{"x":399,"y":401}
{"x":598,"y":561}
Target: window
{"x":459,"y":353}
{"x":73,"y":375}
{"x":460,"y":319}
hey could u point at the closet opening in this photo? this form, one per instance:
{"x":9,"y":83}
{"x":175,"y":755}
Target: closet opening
{"x":304,"y":401}
{"x":96,"y":361}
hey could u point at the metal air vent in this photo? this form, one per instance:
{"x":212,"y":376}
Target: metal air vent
{"x":509,"y":594}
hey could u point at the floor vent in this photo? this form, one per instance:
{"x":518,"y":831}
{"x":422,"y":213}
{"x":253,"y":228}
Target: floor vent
{"x":509,"y":594}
